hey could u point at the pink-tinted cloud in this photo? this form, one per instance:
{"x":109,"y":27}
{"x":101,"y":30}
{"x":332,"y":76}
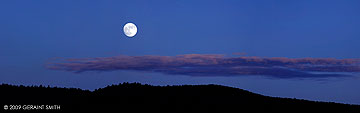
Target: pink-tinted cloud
{"x":214,"y":65}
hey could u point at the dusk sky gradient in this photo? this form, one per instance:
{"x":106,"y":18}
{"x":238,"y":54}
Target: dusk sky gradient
{"x":185,"y":41}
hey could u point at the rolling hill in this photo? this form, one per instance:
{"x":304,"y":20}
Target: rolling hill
{"x":136,"y":97}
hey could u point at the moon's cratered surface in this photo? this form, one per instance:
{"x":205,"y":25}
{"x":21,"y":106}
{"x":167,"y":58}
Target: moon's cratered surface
{"x":130,"y":29}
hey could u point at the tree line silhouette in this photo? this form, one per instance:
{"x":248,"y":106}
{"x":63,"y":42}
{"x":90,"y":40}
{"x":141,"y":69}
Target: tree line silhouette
{"x":136,"y":97}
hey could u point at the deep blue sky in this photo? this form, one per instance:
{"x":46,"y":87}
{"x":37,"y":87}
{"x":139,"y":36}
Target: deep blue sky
{"x":34,"y":32}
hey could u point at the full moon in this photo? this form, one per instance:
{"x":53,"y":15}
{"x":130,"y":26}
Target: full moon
{"x":130,"y":29}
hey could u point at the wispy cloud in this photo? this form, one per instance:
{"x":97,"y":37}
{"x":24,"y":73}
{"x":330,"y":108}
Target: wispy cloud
{"x":214,"y":65}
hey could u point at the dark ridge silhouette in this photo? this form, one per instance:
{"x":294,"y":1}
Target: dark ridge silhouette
{"x":135,"y":97}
